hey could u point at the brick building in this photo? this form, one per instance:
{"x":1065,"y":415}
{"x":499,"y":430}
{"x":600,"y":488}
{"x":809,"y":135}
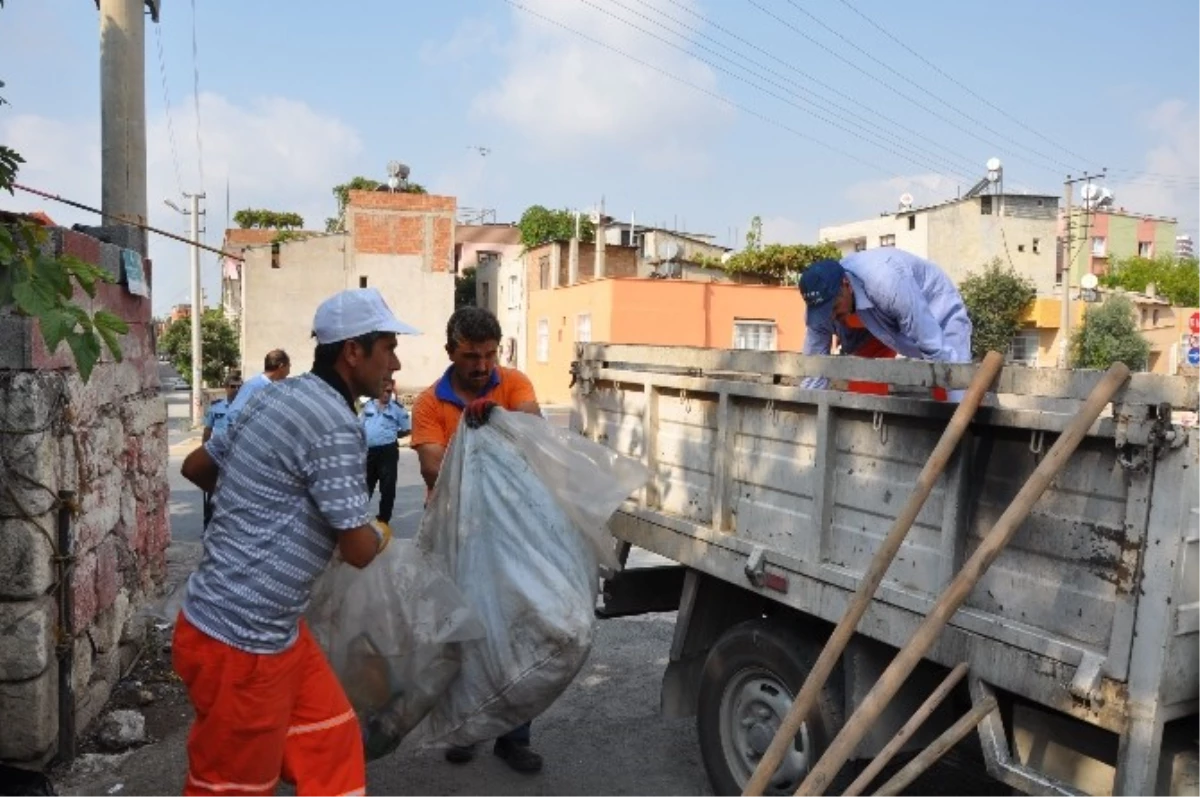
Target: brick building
{"x":402,"y":244}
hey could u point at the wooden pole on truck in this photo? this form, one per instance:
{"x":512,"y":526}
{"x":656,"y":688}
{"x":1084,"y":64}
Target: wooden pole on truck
{"x":905,"y":733}
{"x":952,"y":597}
{"x":836,"y":644}
{"x":929,"y":756}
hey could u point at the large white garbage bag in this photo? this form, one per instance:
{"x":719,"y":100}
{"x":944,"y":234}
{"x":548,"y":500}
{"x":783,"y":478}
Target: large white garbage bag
{"x":393,"y":632}
{"x":519,"y":515}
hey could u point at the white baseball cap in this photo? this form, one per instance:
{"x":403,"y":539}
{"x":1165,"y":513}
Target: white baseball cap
{"x":356,"y":312}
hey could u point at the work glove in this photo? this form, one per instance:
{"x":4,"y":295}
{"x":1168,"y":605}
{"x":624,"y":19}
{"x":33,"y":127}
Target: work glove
{"x":478,"y":411}
{"x":383,"y":531}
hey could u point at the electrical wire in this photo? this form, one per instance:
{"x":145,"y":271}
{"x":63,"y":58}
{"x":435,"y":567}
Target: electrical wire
{"x":162,"y":69}
{"x":917,"y":85}
{"x":196,"y":95}
{"x":959,"y":83}
{"x":953,"y":160}
{"x":958,"y":157}
{"x":891,"y":87}
{"x":708,"y":92}
{"x":916,"y":159}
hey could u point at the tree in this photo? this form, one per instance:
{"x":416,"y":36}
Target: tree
{"x":219,"y":340}
{"x":261,"y":219}
{"x":781,"y":263}
{"x":342,"y":194}
{"x":996,"y":301}
{"x":464,"y":288}
{"x":1176,"y":279}
{"x":539,"y":225}
{"x":1108,"y":335}
{"x":42,"y":287}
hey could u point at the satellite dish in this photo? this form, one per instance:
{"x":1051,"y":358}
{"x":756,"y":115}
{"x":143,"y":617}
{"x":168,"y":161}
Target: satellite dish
{"x":906,"y":200}
{"x":1090,"y":193}
{"x":1088,"y":282}
{"x":594,"y":217}
{"x":725,"y":258}
{"x":668,"y":250}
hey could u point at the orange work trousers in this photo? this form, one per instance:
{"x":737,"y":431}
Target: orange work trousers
{"x":873,"y":348}
{"x":262,"y":718}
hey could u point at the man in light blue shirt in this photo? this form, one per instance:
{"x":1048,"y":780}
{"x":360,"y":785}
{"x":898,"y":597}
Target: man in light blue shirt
{"x":216,"y":421}
{"x":276,"y":366}
{"x":384,"y":422}
{"x":883,"y":302}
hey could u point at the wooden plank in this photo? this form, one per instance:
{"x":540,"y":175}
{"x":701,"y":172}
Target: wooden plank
{"x":722,"y":493}
{"x":1180,"y":392}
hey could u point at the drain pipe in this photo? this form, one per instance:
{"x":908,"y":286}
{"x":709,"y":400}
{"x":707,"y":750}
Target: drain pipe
{"x":65,"y":648}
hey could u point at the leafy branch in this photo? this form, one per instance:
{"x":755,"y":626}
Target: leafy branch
{"x":539,"y":225}
{"x":780,"y":262}
{"x":42,"y":287}
{"x":262,"y":219}
{"x":342,"y":194}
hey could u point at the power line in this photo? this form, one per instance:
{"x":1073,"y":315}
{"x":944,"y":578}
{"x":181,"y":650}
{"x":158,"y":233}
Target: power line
{"x":162,"y":69}
{"x":955,"y":169}
{"x":751,"y":83}
{"x":833,"y":90}
{"x":959,"y":83}
{"x":714,"y":95}
{"x":196,"y":95}
{"x":885,"y":83}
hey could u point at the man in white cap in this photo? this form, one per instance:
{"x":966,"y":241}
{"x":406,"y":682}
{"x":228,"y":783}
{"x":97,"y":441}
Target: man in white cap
{"x":290,"y":491}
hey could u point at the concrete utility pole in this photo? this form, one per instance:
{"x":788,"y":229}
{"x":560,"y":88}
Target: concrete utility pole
{"x":1064,"y":323}
{"x":197,"y":310}
{"x":123,"y":110}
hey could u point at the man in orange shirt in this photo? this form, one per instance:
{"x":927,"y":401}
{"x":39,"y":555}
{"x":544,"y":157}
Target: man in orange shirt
{"x":472,"y":386}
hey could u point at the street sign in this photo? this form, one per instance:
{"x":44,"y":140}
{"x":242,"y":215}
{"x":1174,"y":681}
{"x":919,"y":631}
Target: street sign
{"x":1193,"y":356}
{"x":1193,"y":341}
{"x":1194,"y":323}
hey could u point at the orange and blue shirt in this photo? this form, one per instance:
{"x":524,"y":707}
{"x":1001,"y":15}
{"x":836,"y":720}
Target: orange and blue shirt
{"x":438,"y":409}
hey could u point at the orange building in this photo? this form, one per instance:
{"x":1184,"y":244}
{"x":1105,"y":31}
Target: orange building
{"x":654,"y":312}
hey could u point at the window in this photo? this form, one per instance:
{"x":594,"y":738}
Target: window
{"x":985,"y":205}
{"x":485,"y":295}
{"x":514,"y":292}
{"x":583,"y":328}
{"x":1036,"y":243}
{"x":543,"y":340}
{"x":544,"y":272}
{"x":860,"y":245}
{"x":275,"y":254}
{"x":1099,"y":247}
{"x":1020,"y":247}
{"x":1023,"y":350}
{"x":362,"y":282}
{"x":887,"y":240}
{"x":1145,"y":249}
{"x":912,"y":222}
{"x":758,"y":335}
{"x":487,"y":259}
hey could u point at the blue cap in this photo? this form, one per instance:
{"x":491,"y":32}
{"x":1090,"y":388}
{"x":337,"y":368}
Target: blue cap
{"x":820,"y":284}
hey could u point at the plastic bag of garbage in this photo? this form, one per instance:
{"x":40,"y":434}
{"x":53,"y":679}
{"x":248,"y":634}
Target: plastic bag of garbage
{"x":392,"y":632}
{"x":519,"y":515}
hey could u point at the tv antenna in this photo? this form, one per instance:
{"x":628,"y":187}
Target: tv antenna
{"x":483,"y":151}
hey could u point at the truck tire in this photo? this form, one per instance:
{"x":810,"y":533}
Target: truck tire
{"x":750,"y":678}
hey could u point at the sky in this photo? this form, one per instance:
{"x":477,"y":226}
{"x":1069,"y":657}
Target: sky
{"x":692,"y":114}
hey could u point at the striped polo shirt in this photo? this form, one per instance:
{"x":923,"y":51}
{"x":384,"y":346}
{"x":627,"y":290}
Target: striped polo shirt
{"x":292,"y":475}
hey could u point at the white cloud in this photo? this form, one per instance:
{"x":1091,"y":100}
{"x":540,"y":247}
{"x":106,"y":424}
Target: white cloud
{"x":782,"y":230}
{"x":872,"y":197}
{"x":470,"y":37}
{"x":276,"y":153}
{"x":565,"y":93}
{"x":1167,"y":182}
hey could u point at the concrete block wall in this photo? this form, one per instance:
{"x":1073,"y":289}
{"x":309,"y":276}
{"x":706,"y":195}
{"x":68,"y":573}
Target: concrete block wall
{"x":107,"y":442}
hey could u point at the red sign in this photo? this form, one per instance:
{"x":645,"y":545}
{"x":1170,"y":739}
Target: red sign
{"x":1194,"y":324}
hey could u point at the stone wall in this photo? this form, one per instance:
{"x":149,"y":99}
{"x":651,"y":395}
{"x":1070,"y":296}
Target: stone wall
{"x":105,"y":441}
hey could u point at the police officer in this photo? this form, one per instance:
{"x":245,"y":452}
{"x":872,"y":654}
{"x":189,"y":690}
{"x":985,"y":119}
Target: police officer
{"x":384,"y":422}
{"x":216,"y":421}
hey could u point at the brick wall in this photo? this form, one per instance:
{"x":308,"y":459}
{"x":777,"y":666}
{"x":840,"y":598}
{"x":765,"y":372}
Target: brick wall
{"x":385,"y":223}
{"x":107,"y":442}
